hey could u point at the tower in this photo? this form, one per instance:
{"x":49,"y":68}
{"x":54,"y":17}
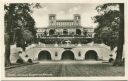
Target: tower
{"x":52,"y":19}
{"x":77,"y":19}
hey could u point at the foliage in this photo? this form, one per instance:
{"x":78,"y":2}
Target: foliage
{"x":19,"y":26}
{"x":111,"y":28}
{"x":108,"y":24}
{"x":20,"y":60}
{"x":29,"y":61}
{"x":18,"y":19}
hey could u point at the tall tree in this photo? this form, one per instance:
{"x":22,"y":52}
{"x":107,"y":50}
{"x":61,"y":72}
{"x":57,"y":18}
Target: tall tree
{"x":8,"y":26}
{"x":18,"y":24}
{"x":111,"y":27}
{"x":118,"y":60}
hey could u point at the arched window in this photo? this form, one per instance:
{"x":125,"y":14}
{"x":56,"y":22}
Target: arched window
{"x":56,"y":54}
{"x":45,"y":33}
{"x":79,"y":54}
{"x":78,"y":31}
{"x":51,"y":31}
{"x":65,"y":31}
{"x":85,"y":32}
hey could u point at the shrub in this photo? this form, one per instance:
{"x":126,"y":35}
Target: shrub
{"x":20,"y":61}
{"x":111,"y":60}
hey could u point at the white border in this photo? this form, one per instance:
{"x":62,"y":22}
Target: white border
{"x":60,"y":1}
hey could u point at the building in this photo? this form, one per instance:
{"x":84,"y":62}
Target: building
{"x":65,"y":39}
{"x":59,"y":31}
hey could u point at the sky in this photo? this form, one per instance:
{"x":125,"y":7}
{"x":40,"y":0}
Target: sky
{"x":65,"y":11}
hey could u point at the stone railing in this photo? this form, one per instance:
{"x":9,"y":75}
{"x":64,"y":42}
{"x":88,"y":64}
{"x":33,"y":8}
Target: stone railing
{"x":70,"y":45}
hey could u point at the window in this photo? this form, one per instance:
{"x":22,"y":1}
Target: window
{"x":78,"y":31}
{"x":79,"y":54}
{"x":51,"y":21}
{"x":65,"y":31}
{"x":51,"y":31}
{"x":56,"y":54}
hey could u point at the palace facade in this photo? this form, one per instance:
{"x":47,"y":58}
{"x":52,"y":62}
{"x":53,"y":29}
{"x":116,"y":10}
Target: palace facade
{"x":59,"y":31}
{"x":65,"y":40}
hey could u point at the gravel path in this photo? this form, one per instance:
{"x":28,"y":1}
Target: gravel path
{"x":62,"y":69}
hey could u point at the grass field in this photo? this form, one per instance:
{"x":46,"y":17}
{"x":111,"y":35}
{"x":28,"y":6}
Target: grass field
{"x":62,"y":70}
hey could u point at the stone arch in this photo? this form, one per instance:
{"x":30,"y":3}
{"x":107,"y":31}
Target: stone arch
{"x":78,"y":31}
{"x":91,"y":55}
{"x":44,"y":55}
{"x":68,"y":55}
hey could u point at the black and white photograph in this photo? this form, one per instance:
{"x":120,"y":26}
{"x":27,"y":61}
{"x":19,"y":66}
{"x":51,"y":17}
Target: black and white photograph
{"x":64,"y":39}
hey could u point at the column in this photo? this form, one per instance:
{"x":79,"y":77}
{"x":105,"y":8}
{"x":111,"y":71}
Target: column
{"x":68,"y":31}
{"x":69,"y":23}
{"x":72,"y":23}
{"x":60,"y":24}
{"x":81,"y":31}
{"x":57,"y":23}
{"x":61,"y":31}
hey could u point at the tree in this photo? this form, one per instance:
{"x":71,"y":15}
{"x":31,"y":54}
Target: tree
{"x":118,"y":60}
{"x":8,"y":26}
{"x":7,"y":49}
{"x":18,"y":24}
{"x":108,"y":25}
{"x":111,"y":27}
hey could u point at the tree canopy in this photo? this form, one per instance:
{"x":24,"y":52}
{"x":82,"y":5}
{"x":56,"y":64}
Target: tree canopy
{"x":18,"y":19}
{"x":111,"y":27}
{"x":19,"y":26}
{"x":108,"y":24}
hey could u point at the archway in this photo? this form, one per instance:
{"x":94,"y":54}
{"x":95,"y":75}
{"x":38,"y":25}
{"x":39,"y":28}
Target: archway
{"x":78,"y":31}
{"x":91,"y":55}
{"x":44,"y":55}
{"x":67,"y":55}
